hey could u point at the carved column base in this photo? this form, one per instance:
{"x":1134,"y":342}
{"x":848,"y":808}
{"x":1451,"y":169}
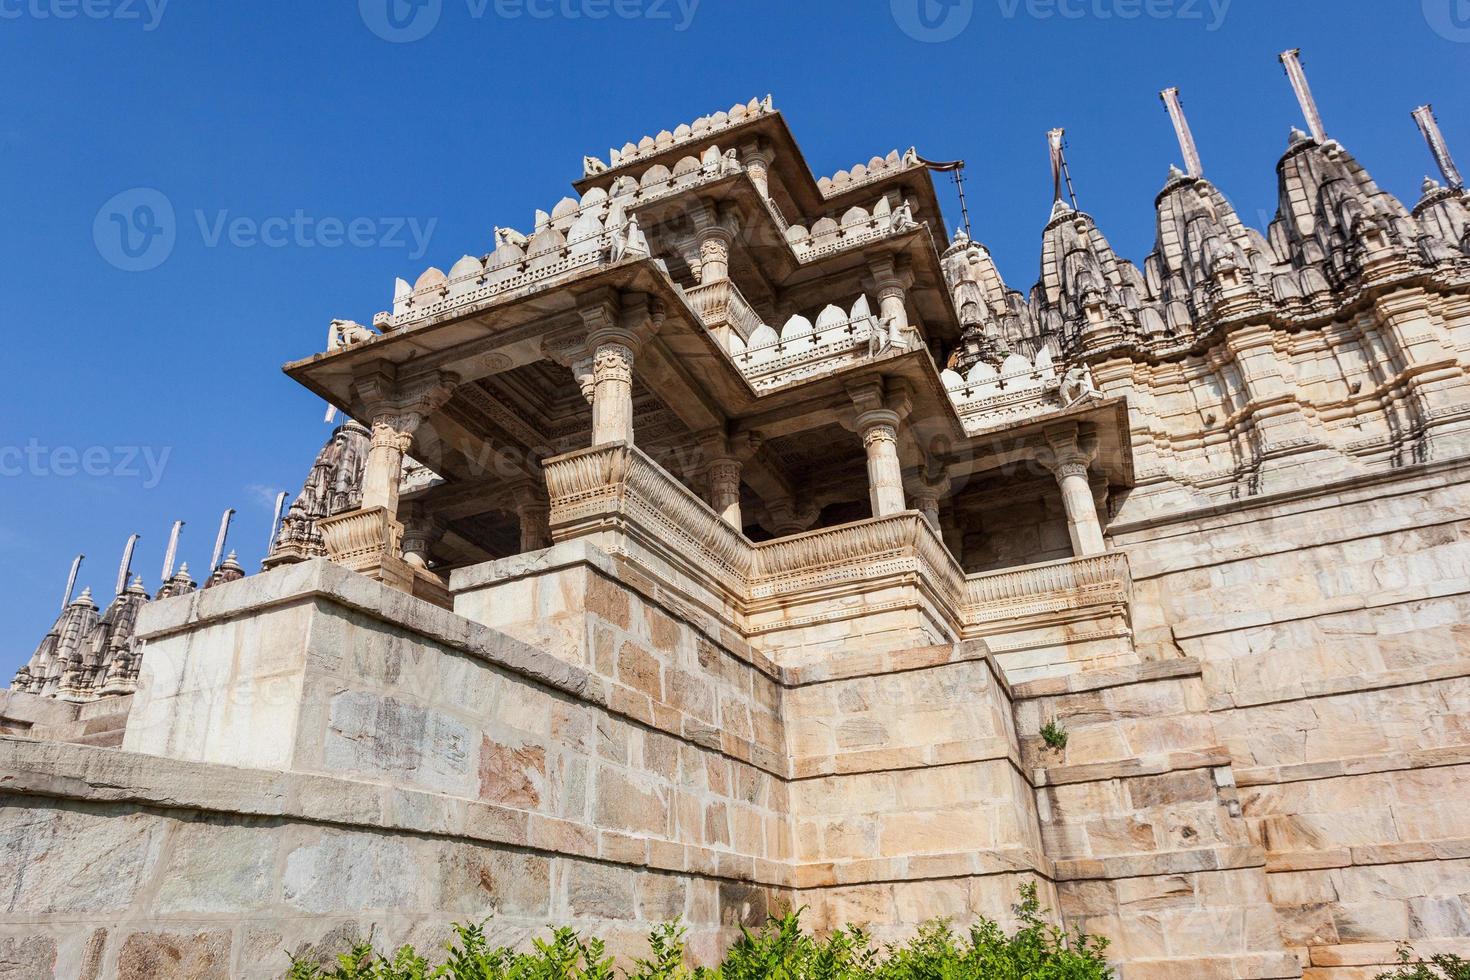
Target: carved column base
{"x":369,"y":542}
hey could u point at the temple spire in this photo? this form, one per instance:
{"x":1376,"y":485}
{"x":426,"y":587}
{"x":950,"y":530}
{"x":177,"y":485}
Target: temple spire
{"x":1292,"y":60}
{"x":1187,"y":146}
{"x":219,"y":539}
{"x":71,"y":580}
{"x":126,"y":566}
{"x":1429,"y":126}
{"x":1056,"y":140}
{"x":276,"y":521}
{"x":172,"y":552}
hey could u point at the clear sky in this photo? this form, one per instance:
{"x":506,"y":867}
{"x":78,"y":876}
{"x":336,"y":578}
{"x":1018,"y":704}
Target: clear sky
{"x":307,"y":149}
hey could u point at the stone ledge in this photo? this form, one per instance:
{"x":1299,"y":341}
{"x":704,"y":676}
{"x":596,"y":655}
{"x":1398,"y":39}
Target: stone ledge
{"x":1153,"y":864}
{"x":92,"y":775}
{"x":1435,"y":758}
{"x":1147,"y":765}
{"x":1289,"y":503}
{"x":996,"y":749}
{"x":921,"y":867}
{"x":1335,"y":686}
{"x":1098,"y":680}
{"x":1247,"y":966}
{"x":1369,"y":855}
{"x":1193,"y":629}
{"x":1383,"y":954}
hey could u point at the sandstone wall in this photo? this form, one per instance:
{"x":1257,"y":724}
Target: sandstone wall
{"x":1331,"y":628}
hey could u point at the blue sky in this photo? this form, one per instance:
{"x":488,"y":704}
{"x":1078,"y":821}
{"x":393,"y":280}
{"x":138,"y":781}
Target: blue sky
{"x":306,"y":160}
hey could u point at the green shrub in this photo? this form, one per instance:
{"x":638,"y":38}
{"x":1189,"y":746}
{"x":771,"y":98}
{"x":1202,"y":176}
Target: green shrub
{"x":1054,"y":735}
{"x":781,"y":950}
{"x":1441,"y":967}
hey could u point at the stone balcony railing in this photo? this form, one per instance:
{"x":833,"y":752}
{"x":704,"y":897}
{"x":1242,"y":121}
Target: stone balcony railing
{"x":721,"y":304}
{"x":1019,"y":390}
{"x":626,"y":502}
{"x":1071,"y":583}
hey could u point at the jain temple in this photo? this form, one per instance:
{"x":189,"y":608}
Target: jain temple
{"x":724,"y":540}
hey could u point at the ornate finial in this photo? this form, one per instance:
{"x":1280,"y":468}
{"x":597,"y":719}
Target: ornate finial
{"x":85,"y":599}
{"x":1292,"y":60}
{"x":1429,"y":126}
{"x":71,"y":580}
{"x":1297,"y":136}
{"x":1430,"y":185}
{"x":1182,"y":131}
{"x":137,"y":587}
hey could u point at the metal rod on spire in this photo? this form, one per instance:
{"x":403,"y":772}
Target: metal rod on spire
{"x":276,"y":522}
{"x":1054,"y":141}
{"x":1187,"y":146}
{"x":172,"y":552}
{"x":1429,"y":126}
{"x":219,"y":539}
{"x":1293,"y":61}
{"x":71,"y":580}
{"x":1060,"y":172}
{"x":126,"y":566}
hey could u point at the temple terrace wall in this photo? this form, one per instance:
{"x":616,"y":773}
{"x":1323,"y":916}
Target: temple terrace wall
{"x":1331,"y":627}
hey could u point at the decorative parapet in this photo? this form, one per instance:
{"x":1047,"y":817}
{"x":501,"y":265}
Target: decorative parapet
{"x":721,"y":304}
{"x":574,"y":238}
{"x":702,"y":127}
{"x":617,"y":488}
{"x":1058,"y":586}
{"x":877,"y":169}
{"x":858,"y":227}
{"x":989,"y":397}
{"x":900,"y":544}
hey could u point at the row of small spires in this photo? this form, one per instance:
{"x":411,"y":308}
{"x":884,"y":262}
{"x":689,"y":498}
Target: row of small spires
{"x":172,"y":582}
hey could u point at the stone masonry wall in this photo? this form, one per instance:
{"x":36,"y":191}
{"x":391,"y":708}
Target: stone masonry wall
{"x":1331,"y":629}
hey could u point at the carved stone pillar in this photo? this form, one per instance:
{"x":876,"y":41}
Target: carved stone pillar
{"x":758,"y":166}
{"x":1071,"y":454}
{"x":885,"y":474}
{"x":724,"y":489}
{"x":614,"y":338}
{"x":534,"y":512}
{"x":420,"y":533}
{"x":612,"y":389}
{"x":891,"y":287}
{"x":714,"y":253}
{"x":392,"y":438}
{"x":370,"y":539}
{"x":877,"y":421}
